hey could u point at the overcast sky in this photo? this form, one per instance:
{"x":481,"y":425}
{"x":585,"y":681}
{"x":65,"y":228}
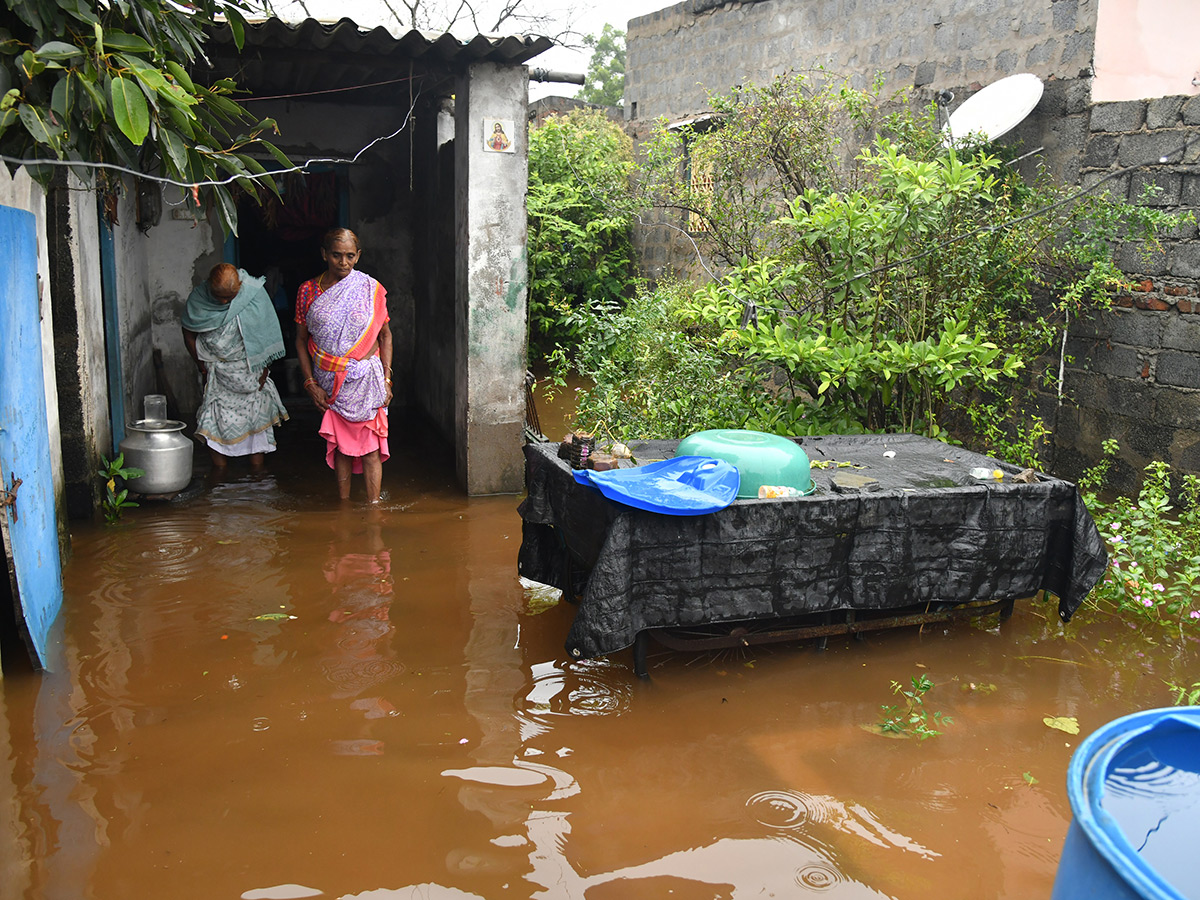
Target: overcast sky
{"x":589,"y":17}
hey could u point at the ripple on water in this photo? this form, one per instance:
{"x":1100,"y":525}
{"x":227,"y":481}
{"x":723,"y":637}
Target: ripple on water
{"x":819,"y":876}
{"x":790,"y":810}
{"x":591,"y":687}
{"x":351,"y":676}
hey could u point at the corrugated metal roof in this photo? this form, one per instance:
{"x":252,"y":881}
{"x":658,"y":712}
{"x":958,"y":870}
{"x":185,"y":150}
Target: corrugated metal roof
{"x":311,"y":56}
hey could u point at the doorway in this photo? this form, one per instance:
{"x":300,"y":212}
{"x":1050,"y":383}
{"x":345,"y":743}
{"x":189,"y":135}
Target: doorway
{"x":281,"y":242}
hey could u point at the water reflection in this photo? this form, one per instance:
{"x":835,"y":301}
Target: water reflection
{"x":742,"y":867}
{"x":359,"y":573}
{"x":793,"y":811}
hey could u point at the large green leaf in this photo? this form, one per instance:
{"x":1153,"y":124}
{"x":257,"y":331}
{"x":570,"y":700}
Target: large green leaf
{"x":7,"y":117}
{"x":62,"y":100}
{"x":87,"y":80}
{"x":152,"y":78}
{"x":130,"y":43}
{"x":39,"y":124}
{"x":174,"y":150}
{"x":226,"y":209}
{"x":279,"y":155}
{"x":79,"y":9}
{"x":180,"y":75}
{"x":58,"y":50}
{"x":130,"y":111}
{"x":237,"y":25}
{"x":182,"y":120}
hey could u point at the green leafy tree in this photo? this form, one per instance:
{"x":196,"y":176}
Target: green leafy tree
{"x":871,"y":279}
{"x":109,"y":83}
{"x":605,"y":80}
{"x":580,"y":252}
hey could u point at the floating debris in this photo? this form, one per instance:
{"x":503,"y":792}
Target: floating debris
{"x":1069,"y":724}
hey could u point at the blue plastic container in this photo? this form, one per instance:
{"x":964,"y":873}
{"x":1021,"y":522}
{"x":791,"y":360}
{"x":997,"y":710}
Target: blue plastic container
{"x":1134,"y":787}
{"x":682,"y":486}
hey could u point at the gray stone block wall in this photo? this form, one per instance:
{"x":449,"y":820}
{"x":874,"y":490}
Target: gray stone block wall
{"x":1146,"y":351}
{"x":938,"y":44}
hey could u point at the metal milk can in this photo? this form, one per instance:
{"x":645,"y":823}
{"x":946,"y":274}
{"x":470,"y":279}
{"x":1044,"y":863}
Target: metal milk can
{"x":158,"y":446}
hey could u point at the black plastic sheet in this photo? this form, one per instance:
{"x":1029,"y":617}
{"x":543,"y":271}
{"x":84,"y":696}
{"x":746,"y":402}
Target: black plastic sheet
{"x":928,"y":533}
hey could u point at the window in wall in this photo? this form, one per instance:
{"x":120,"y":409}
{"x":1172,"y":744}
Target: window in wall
{"x":699,"y":174}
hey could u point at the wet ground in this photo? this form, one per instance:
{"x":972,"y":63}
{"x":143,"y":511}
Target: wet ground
{"x":260,"y":688}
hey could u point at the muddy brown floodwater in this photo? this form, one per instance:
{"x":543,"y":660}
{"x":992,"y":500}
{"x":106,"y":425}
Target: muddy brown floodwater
{"x":259,"y":688}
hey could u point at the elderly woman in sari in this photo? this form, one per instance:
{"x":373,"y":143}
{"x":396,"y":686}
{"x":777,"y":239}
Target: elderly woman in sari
{"x":344,"y":345}
{"x":231,"y":331}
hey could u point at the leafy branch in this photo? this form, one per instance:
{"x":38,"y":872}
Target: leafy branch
{"x":109,"y":83}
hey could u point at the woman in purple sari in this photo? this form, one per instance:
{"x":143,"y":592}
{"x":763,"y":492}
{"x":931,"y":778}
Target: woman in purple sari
{"x":344,"y":347}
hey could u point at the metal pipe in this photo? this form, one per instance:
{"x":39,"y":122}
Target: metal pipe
{"x":552,"y":75}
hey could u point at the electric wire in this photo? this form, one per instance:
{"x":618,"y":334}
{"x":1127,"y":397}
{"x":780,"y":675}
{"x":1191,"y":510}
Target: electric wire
{"x":88,"y":164}
{"x":351,"y":87}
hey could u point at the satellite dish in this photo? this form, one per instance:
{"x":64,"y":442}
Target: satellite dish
{"x":997,"y":109}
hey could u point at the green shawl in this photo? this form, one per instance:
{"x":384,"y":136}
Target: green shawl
{"x":255,"y":316}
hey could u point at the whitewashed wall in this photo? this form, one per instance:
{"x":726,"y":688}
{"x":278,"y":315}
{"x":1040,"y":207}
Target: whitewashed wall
{"x":179,"y":254}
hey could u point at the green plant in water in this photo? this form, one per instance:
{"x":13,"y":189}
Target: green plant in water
{"x":1185,"y":696}
{"x":114,"y":501}
{"x":911,"y":718}
{"x":1153,"y":547}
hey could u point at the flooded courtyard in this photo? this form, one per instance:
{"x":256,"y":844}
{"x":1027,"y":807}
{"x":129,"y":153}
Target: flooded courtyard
{"x":262,"y":693}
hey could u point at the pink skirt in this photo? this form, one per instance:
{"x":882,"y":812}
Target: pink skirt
{"x":355,"y":439}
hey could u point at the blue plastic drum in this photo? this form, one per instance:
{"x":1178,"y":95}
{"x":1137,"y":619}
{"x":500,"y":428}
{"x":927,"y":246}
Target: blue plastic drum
{"x":1134,"y":787}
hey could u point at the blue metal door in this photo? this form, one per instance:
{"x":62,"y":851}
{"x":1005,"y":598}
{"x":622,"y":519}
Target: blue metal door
{"x":27,"y":490}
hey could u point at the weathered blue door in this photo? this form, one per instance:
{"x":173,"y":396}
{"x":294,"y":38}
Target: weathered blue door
{"x":27,"y":490}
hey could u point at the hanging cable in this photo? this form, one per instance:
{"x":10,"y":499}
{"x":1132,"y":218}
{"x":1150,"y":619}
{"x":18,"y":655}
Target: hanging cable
{"x":232,"y":178}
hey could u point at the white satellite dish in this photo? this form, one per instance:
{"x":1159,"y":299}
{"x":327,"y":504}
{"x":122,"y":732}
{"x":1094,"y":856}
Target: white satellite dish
{"x":995,"y":110}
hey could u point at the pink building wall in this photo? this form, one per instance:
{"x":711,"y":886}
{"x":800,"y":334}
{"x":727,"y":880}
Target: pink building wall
{"x":1146,"y":48}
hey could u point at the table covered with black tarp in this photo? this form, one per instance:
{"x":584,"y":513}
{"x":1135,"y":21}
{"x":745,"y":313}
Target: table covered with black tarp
{"x":929,"y":533}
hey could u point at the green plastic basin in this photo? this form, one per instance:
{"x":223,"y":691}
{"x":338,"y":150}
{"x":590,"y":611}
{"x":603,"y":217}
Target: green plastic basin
{"x":760,"y":458}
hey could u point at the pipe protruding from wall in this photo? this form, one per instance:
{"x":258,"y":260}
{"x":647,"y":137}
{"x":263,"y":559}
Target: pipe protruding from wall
{"x":553,"y":75}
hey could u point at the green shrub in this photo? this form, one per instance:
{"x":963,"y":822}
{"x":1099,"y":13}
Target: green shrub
{"x":1153,"y":546}
{"x":579,"y":224}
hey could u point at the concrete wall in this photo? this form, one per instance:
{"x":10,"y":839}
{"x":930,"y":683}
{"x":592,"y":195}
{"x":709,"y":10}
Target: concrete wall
{"x":676,"y":55}
{"x":134,"y":304}
{"x":21,"y":192}
{"x":1134,"y":373}
{"x":679,"y":54}
{"x":491,"y":279}
{"x":79,"y":349}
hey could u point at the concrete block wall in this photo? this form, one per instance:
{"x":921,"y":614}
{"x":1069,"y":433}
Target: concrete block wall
{"x":678,"y":55}
{"x":1133,"y":373}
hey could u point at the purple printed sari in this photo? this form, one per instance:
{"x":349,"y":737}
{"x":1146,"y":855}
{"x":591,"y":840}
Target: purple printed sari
{"x":343,"y":327}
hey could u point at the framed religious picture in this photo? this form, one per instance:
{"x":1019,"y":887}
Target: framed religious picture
{"x":498,"y":136}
